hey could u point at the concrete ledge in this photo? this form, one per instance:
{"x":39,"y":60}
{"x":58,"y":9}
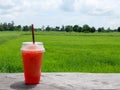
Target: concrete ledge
{"x":63,"y":81}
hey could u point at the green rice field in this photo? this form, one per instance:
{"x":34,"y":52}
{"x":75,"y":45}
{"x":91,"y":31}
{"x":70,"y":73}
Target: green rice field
{"x":65,"y":52}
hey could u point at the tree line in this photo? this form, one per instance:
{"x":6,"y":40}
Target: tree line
{"x":68,"y":28}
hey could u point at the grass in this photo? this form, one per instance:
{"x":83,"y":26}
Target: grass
{"x":6,"y":36}
{"x":65,"y":52}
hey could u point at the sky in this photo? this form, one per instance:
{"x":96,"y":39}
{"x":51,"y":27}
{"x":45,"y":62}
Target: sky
{"x":97,"y":13}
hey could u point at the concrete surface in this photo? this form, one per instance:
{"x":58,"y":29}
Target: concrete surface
{"x":62,"y":81}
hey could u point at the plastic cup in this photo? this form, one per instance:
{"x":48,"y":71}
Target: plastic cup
{"x":32,"y":61}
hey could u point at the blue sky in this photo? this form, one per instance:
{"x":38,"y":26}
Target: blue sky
{"x":98,"y":13}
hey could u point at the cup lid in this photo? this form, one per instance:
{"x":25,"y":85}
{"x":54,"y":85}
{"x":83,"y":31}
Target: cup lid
{"x":29,"y":46}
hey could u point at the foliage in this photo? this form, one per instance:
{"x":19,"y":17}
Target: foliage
{"x":118,"y":29}
{"x":101,"y":29}
{"x":86,"y":28}
{"x":9,"y":26}
{"x":68,"y":28}
{"x":63,"y":28}
{"x":48,"y":28}
{"x":92,"y":29}
{"x":26,"y":28}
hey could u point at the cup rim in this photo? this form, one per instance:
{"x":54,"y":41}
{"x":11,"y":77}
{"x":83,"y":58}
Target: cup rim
{"x":37,"y":43}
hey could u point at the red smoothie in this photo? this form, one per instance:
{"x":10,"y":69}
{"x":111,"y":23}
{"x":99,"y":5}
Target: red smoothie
{"x":32,"y":60}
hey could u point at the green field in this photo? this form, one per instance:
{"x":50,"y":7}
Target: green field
{"x":65,"y":52}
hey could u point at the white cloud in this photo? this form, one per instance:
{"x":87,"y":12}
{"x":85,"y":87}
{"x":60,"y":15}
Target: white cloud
{"x":46,"y":4}
{"x":68,"y":5}
{"x":15,"y":8}
{"x":92,"y":7}
{"x":11,"y":7}
{"x":101,"y":7}
{"x":55,"y":12}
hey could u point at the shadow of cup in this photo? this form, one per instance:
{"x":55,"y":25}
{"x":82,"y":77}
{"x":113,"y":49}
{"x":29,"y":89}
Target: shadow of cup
{"x":21,"y":86}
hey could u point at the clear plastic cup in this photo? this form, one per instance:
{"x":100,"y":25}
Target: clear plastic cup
{"x":32,"y":61}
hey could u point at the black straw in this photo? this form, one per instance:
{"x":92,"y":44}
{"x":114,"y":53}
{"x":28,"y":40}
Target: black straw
{"x":33,"y":38}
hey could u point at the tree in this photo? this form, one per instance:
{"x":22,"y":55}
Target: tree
{"x":101,"y":29}
{"x":76,"y":28}
{"x":118,"y":29}
{"x":43,"y":28}
{"x":79,"y":29}
{"x":85,"y":28}
{"x":26,"y":28}
{"x":92,"y":29}
{"x":115,"y":30}
{"x":48,"y":28}
{"x":5,"y":27}
{"x":18,"y":27}
{"x":57,"y":28}
{"x":1,"y":27}
{"x":109,"y":30}
{"x":11,"y":26}
{"x":68,"y":28}
{"x":63,"y":28}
